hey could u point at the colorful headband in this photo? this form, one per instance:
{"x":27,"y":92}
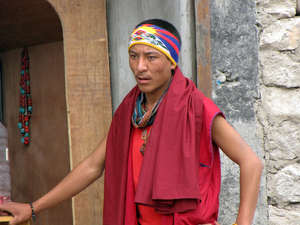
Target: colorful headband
{"x":157,"y":38}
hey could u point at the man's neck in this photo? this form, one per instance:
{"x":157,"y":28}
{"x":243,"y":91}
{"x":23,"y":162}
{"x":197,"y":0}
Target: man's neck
{"x":150,"y":101}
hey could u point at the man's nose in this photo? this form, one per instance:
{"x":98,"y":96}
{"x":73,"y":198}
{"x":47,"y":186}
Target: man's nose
{"x":142,"y":65}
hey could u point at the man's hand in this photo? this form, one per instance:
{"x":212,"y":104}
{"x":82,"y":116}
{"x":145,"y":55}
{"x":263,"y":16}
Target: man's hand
{"x":20,"y":211}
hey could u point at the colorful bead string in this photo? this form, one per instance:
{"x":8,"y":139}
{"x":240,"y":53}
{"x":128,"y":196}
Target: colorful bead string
{"x":25,"y":98}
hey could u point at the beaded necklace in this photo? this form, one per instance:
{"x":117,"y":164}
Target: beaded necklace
{"x":25,"y":110}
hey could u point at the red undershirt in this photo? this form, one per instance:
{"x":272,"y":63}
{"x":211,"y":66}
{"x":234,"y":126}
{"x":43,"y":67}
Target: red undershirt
{"x":147,"y":215}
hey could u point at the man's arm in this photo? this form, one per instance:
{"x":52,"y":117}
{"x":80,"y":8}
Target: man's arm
{"x":83,"y":175}
{"x":234,"y":146}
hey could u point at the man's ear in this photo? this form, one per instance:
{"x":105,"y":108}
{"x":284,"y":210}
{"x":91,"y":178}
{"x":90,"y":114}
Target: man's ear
{"x":173,"y":69}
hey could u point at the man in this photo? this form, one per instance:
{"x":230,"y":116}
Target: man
{"x":161,"y":155}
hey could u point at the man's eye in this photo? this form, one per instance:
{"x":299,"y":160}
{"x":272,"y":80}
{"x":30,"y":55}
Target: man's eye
{"x":151,"y":57}
{"x":133,"y":56}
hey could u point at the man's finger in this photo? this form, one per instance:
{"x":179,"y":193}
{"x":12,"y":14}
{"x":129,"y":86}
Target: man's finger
{"x":4,"y":210}
{"x":14,"y":221}
{"x":4,"y":213}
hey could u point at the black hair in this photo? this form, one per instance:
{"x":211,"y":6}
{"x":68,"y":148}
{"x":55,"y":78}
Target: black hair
{"x":163,"y":24}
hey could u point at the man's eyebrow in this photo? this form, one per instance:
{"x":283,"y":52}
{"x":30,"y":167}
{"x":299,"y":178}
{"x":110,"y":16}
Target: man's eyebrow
{"x":132,"y":51}
{"x":148,"y":53}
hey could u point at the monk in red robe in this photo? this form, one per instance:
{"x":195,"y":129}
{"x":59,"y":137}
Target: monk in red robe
{"x":161,"y":154}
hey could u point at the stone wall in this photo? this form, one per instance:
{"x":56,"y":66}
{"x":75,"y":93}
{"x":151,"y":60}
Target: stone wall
{"x":235,"y":79}
{"x":278,"y":110}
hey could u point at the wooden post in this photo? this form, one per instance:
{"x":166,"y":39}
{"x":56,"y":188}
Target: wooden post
{"x":204,"y":82}
{"x":87,"y":90}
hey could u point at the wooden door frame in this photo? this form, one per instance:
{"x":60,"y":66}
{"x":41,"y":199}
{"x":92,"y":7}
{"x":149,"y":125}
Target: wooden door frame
{"x":204,"y":81}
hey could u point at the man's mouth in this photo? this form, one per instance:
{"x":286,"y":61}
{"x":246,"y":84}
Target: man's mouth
{"x":143,"y":79}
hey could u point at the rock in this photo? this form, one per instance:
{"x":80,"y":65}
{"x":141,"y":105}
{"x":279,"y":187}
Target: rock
{"x":284,"y":187}
{"x":283,"y":216}
{"x":282,"y":35}
{"x":281,"y":104}
{"x":278,"y":69}
{"x":279,"y":8}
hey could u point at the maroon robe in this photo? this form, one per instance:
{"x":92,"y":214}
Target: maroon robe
{"x":169,"y":178}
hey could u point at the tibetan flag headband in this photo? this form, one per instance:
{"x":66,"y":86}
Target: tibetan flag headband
{"x":157,"y":38}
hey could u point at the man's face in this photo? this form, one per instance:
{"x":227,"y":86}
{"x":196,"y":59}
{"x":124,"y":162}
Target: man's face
{"x":151,"y":69}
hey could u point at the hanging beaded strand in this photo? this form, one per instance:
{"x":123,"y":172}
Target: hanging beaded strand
{"x":25,"y":98}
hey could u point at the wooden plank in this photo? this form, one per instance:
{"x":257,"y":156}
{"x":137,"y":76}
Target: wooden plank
{"x":88,"y":91}
{"x":204,"y":82}
{"x":5,"y":220}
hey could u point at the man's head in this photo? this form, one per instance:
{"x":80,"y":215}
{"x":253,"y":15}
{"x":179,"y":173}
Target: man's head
{"x":158,"y":34}
{"x":153,"y":56}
